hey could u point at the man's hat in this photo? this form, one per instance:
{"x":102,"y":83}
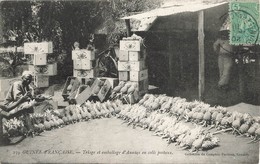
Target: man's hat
{"x":27,"y":73}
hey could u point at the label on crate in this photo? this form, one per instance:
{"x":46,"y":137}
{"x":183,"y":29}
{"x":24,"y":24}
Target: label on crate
{"x":40,"y":59}
{"x":138,"y":75}
{"x":36,"y":48}
{"x":85,"y":73}
{"x":49,"y":70}
{"x":123,"y":55}
{"x":123,"y":75}
{"x":83,"y":54}
{"x":130,"y":45}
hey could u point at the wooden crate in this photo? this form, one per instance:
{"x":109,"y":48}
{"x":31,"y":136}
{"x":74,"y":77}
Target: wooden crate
{"x":36,"y":48}
{"x":136,"y":56}
{"x":85,"y":73}
{"x":83,"y":64}
{"x":83,"y":54}
{"x":123,"y":75}
{"x":137,"y":65}
{"x":138,"y":75}
{"x":130,"y":45}
{"x":40,"y":59}
{"x":123,"y":55}
{"x":103,"y":93}
{"x":47,"y":70}
{"x":65,"y":93}
{"x":41,"y":81}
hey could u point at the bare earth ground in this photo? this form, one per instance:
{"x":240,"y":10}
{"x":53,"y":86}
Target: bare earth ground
{"x":105,"y":140}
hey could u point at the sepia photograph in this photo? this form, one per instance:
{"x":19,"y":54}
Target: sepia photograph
{"x":130,"y":81}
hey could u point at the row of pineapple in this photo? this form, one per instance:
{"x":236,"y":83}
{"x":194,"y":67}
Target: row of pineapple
{"x":169,"y":128}
{"x":52,"y":119}
{"x":203,"y":114}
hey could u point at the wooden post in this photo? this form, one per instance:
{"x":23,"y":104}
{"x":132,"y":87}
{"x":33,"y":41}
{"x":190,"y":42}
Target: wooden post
{"x":201,"y":54}
{"x":128,"y":28}
{"x":1,"y":24}
{"x":171,"y":84}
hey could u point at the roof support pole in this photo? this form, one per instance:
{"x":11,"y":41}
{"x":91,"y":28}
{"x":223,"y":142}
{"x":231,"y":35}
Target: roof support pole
{"x":128,"y":28}
{"x":201,"y":54}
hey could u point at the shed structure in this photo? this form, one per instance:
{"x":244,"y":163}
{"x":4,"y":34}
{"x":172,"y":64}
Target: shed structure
{"x":191,"y":22}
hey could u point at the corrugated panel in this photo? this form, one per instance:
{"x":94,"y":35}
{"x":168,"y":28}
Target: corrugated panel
{"x":189,"y":7}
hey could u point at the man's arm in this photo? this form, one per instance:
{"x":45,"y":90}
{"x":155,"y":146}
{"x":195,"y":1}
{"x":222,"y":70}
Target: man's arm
{"x":216,"y":45}
{"x":7,"y":111}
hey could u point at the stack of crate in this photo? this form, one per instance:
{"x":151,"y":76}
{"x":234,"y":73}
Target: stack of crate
{"x":40,"y":67}
{"x":131,"y":64}
{"x":83,"y":63}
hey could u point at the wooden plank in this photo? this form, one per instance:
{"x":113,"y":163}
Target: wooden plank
{"x":128,"y":28}
{"x":201,"y":54}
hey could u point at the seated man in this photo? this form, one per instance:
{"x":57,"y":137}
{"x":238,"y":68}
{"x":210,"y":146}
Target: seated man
{"x":18,"y":98}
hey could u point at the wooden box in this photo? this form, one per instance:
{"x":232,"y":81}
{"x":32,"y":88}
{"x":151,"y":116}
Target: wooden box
{"x":123,"y":66}
{"x":137,"y":65}
{"x":40,"y":59}
{"x":87,"y":64}
{"x":123,"y":55}
{"x":130,"y":45}
{"x":3,"y":95}
{"x":102,"y":94}
{"x":36,"y":48}
{"x":138,"y":75}
{"x":65,"y":94}
{"x":113,"y":81}
{"x":135,"y":56}
{"x":83,"y":95}
{"x":77,"y":64}
{"x":123,"y":76}
{"x":41,"y":81}
{"x":96,"y":86}
{"x":47,"y":70}
{"x":85,"y":73}
{"x":83,"y":54}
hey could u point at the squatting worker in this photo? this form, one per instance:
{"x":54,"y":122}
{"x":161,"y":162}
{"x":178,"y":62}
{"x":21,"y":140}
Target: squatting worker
{"x":19,"y":100}
{"x":225,"y":53}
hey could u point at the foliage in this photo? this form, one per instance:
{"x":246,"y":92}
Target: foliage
{"x":65,"y":22}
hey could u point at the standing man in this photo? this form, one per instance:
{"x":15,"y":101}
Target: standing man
{"x":225,"y":53}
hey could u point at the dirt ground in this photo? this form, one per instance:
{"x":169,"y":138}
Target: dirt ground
{"x":109,"y":140}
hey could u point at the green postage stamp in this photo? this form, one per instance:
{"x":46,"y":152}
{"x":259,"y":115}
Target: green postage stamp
{"x":245,"y":23}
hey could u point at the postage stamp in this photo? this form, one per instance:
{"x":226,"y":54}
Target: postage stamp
{"x":245,"y":23}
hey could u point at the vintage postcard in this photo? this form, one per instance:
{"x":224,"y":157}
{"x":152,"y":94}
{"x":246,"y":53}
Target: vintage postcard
{"x":130,"y":81}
